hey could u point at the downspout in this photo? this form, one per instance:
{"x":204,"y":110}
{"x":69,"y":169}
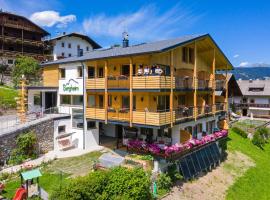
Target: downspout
{"x":84,"y":107}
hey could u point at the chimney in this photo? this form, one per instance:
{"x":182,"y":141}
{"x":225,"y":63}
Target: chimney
{"x":125,"y":40}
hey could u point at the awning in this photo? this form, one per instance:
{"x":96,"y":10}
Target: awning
{"x":257,"y":108}
{"x":28,"y":175}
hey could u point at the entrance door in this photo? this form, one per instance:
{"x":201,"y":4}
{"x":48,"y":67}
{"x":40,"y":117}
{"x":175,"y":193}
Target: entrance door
{"x":119,"y":135}
{"x":244,"y":112}
{"x":50,"y":100}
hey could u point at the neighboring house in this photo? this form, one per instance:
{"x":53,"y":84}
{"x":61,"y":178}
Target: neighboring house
{"x":112,"y":91}
{"x":70,"y":45}
{"x":234,"y":90}
{"x":20,"y":36}
{"x":255,"y":99}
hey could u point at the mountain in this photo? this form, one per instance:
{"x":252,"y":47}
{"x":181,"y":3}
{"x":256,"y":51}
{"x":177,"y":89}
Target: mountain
{"x":247,"y":73}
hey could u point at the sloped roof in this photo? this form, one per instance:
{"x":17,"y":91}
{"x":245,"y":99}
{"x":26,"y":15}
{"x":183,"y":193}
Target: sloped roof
{"x":45,"y":33}
{"x":245,"y":86}
{"x":84,"y":37}
{"x":144,"y":48}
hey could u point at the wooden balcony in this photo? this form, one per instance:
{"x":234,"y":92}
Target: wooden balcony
{"x":95,"y":83}
{"x":95,"y":113}
{"x":152,"y":118}
{"x":152,"y":82}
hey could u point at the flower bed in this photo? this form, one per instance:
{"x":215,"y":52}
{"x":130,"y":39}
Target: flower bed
{"x":176,"y":149}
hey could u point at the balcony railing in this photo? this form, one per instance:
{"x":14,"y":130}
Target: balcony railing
{"x":152,"y":82}
{"x":118,"y":82}
{"x":95,"y":113}
{"x":252,"y":105}
{"x":184,"y":83}
{"x":95,"y":83}
{"x":220,"y":84}
{"x":121,"y":114}
{"x":203,"y":84}
{"x":184,"y":113}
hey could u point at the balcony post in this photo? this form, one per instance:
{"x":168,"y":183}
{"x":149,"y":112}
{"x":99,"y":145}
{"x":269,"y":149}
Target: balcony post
{"x":171,"y":87}
{"x":226,"y":94}
{"x":214,"y":83}
{"x":130,"y":91}
{"x":195,"y":82}
{"x":106,"y":92}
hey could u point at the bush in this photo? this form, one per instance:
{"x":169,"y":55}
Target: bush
{"x":26,"y":148}
{"x":258,"y":139}
{"x":173,"y":173}
{"x":239,"y":131}
{"x":264,"y":132}
{"x":164,"y":182}
{"x":119,"y":183}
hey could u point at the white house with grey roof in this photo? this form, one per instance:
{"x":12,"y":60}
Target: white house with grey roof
{"x":256,"y":98}
{"x":72,"y":44}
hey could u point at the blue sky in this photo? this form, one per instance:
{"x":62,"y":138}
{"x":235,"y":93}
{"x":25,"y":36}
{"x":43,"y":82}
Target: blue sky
{"x":240,"y":27}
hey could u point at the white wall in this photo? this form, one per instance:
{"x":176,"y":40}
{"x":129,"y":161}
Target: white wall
{"x":74,"y":41}
{"x":91,"y":138}
{"x":31,"y":106}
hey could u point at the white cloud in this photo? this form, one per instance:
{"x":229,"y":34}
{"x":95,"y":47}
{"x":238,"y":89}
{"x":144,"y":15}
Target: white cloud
{"x":51,"y":18}
{"x":260,"y":64}
{"x":146,"y":23}
{"x":236,"y":56}
{"x":243,"y":64}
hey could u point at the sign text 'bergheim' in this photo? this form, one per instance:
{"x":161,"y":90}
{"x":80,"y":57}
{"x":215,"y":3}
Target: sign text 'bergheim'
{"x":71,"y":86}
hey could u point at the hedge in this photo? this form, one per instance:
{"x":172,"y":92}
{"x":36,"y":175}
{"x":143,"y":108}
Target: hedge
{"x":239,"y":131}
{"x":118,"y":183}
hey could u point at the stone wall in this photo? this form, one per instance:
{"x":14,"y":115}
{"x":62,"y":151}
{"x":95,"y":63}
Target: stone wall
{"x":45,"y":136}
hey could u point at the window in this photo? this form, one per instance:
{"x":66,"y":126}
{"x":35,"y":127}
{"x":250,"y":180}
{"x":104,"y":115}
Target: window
{"x":62,"y":129}
{"x":165,"y":132}
{"x":100,"y":72}
{"x":69,"y":55}
{"x":37,"y":100}
{"x":185,"y":54}
{"x":69,"y":45}
{"x":80,"y":72}
{"x":77,"y":118}
{"x":252,"y":100}
{"x":91,"y":101}
{"x":63,"y":44}
{"x":65,"y":99}
{"x":110,"y":100}
{"x":10,"y":62}
{"x":100,"y":101}
{"x":125,"y":101}
{"x":63,"y":54}
{"x":91,"y":125}
{"x":78,"y":46}
{"x":191,"y":55}
{"x":188,"y":55}
{"x":87,"y":48}
{"x":91,"y":72}
{"x":163,"y":103}
{"x":125,"y":70}
{"x":181,"y":100}
{"x":134,"y":103}
{"x":77,"y":100}
{"x":62,"y":73}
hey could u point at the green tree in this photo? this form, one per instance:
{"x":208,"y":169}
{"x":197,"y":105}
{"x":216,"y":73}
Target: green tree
{"x":3,"y":69}
{"x":26,"y":66}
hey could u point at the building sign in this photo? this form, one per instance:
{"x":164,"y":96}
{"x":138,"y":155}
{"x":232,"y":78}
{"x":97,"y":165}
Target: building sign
{"x":71,"y":86}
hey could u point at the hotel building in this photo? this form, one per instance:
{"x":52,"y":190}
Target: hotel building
{"x":160,"y":92}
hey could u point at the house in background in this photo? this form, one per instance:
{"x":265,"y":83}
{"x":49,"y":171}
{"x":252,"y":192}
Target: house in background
{"x":70,"y":45}
{"x":255,"y":99}
{"x":20,"y":36}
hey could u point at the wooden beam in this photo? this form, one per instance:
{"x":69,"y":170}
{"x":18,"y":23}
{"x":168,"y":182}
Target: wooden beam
{"x":106,"y":92}
{"x":195,"y":82}
{"x":214,"y":82}
{"x":171,"y":87}
{"x":130,"y":91}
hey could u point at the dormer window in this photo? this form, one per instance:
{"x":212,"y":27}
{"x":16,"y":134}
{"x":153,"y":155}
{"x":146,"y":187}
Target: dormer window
{"x":80,"y":72}
{"x":63,"y":44}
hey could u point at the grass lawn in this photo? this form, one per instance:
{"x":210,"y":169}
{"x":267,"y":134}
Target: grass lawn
{"x":255,"y":183}
{"x":7,"y":96}
{"x":57,"y":172}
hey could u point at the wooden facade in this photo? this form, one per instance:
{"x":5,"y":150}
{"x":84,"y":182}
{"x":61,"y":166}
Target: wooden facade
{"x":20,"y":36}
{"x":185,"y":90}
